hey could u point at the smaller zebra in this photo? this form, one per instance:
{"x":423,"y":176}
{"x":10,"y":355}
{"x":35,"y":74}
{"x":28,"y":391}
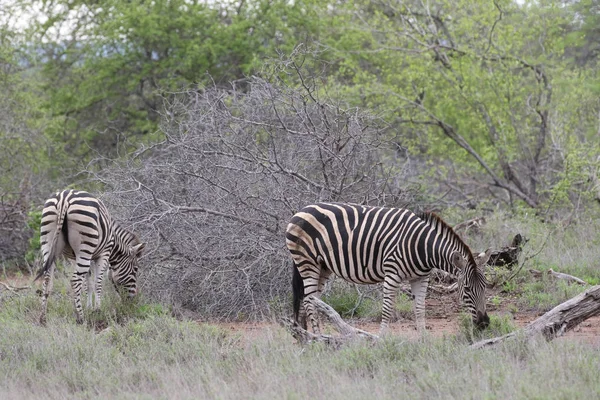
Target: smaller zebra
{"x":78,"y":226}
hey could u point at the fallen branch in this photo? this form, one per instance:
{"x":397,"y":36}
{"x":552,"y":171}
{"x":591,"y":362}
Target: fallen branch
{"x":557,"y":321}
{"x":567,"y":277}
{"x":443,"y":276}
{"x":347,"y":332}
{"x":559,"y":275}
{"x":14,"y":289}
{"x":444,"y":289}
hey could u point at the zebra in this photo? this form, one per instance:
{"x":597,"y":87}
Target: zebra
{"x":78,"y":225}
{"x":366,"y":244}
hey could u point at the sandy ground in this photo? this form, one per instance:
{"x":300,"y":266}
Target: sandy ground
{"x":587,"y":332}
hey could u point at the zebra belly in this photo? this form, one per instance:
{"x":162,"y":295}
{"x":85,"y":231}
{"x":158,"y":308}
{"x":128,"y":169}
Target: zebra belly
{"x":358,"y":274}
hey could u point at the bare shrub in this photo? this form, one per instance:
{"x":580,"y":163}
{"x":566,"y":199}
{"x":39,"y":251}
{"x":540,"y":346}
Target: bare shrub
{"x":14,"y":232}
{"x":214,"y":198}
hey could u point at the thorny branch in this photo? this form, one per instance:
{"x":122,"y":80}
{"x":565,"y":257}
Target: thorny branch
{"x":214,"y":198}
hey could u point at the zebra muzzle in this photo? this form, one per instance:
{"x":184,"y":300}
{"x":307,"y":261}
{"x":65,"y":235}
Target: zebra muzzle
{"x":483,"y":320}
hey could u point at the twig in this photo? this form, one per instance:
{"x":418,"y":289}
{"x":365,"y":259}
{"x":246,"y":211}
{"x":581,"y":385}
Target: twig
{"x":559,"y":275}
{"x":14,"y":289}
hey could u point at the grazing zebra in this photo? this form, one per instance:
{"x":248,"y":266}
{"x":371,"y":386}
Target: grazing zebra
{"x":79,"y":226}
{"x":364,"y":244}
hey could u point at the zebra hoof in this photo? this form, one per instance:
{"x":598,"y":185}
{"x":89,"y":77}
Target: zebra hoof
{"x":42,"y":320}
{"x":79,"y":320}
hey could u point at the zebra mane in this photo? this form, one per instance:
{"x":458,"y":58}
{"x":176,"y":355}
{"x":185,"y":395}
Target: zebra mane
{"x":437,"y":223}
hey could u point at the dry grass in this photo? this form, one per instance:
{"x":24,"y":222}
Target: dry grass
{"x":146,"y":353}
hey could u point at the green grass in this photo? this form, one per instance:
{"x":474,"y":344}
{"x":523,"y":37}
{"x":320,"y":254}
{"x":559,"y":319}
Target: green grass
{"x":499,"y":325}
{"x":546,"y":293}
{"x":404,"y":306}
{"x":146,"y":353}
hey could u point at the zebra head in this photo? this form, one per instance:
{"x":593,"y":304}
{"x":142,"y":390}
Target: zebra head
{"x":471,"y":286}
{"x":124,"y":269}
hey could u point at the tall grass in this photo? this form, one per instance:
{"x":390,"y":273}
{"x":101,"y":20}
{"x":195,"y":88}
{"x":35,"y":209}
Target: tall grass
{"x":146,"y":353}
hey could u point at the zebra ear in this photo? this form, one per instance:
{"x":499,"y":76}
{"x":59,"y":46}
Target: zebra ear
{"x":137,"y":249}
{"x":458,"y":260}
{"x":482,"y":258}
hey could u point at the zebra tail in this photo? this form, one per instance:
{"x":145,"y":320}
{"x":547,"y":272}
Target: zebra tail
{"x":61,"y":218}
{"x":298,"y":289}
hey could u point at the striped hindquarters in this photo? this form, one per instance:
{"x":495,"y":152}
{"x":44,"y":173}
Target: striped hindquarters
{"x":74,"y":223}
{"x":80,"y":218}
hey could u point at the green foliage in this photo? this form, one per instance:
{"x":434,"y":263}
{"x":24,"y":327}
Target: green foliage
{"x":478,"y":76}
{"x":548,"y":292}
{"x":115,"y":67}
{"x":404,"y":306}
{"x":350,"y":303}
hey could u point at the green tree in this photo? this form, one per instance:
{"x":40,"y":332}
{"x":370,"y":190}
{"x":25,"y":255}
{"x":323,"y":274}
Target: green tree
{"x":109,"y":65}
{"x":480,"y":87}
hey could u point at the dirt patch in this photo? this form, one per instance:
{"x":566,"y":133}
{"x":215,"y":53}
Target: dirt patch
{"x":587,"y":332}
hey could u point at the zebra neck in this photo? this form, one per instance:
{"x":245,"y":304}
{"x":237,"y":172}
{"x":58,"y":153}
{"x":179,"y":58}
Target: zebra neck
{"x":123,"y":239}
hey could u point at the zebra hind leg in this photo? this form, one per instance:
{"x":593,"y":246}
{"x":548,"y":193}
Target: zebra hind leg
{"x":311,"y":312}
{"x":90,"y":289}
{"x":418,"y":286}
{"x":82,"y":269}
{"x":46,"y":289}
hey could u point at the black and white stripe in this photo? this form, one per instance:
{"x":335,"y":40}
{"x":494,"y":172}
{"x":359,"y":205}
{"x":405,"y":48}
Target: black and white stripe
{"x":364,"y":244}
{"x":79,"y":226}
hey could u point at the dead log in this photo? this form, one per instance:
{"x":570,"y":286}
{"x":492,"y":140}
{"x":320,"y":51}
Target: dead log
{"x":508,"y":256}
{"x":557,"y":321}
{"x":346,"y":331}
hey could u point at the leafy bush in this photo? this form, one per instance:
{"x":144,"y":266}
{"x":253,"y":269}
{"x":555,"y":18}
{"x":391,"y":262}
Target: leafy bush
{"x":349,"y":303}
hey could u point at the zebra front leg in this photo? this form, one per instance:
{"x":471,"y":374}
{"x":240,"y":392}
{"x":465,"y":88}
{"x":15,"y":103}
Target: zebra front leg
{"x":418,"y":287}
{"x":82,"y":267}
{"x":390,"y":289}
{"x":46,"y":289}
